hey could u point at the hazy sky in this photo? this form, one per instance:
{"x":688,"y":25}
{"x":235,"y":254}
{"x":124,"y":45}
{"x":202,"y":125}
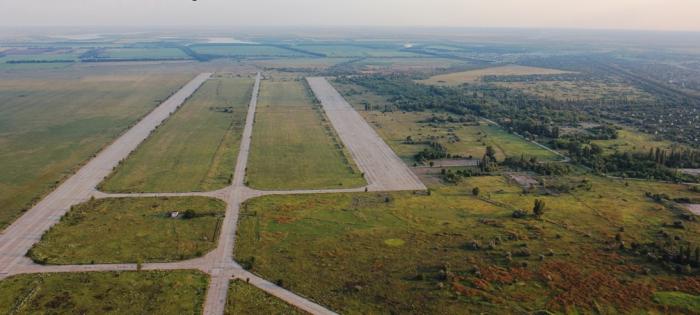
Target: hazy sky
{"x":616,"y":14}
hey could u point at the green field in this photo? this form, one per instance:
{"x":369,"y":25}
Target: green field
{"x":244,"y":298}
{"x":357,"y":51}
{"x":246,"y":50}
{"x":48,"y":127}
{"x":127,"y":230}
{"x":350,"y":251}
{"x":40,"y":57}
{"x":679,"y":301}
{"x":294,"y":145}
{"x":146,"y":292}
{"x":195,"y":149}
{"x":629,"y":140}
{"x":143,"y":53}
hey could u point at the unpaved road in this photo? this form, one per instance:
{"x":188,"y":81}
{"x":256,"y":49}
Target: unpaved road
{"x":23,"y":233}
{"x":383,"y":169}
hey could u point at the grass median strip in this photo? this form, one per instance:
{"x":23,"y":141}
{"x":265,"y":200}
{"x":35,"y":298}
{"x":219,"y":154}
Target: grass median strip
{"x":294,"y":146}
{"x":127,"y":230}
{"x":146,"y":292}
{"x":194,"y":150}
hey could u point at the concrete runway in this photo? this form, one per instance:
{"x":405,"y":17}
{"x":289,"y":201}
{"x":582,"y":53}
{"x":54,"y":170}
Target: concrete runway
{"x":383,"y":170}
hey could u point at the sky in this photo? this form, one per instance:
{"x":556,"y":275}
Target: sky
{"x":596,"y":14}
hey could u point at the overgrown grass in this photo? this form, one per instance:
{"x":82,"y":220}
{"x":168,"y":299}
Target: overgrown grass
{"x":123,"y":230}
{"x":244,"y":298}
{"x":294,"y":145}
{"x":147,"y":292}
{"x":679,"y":301}
{"x":447,"y":252}
{"x":196,"y":149}
{"x":48,"y":127}
{"x":633,"y":141}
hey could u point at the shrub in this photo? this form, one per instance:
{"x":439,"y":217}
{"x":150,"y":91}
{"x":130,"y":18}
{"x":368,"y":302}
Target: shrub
{"x":519,"y":214}
{"x":189,"y":214}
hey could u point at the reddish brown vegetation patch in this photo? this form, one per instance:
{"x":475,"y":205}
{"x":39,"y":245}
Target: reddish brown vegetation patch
{"x":583,"y":289}
{"x":505,"y":276}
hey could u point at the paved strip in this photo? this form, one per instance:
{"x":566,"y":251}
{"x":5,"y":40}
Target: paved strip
{"x":271,"y":288}
{"x":382,"y":168}
{"x":220,"y":194}
{"x":28,"y":229}
{"x":222,"y":257}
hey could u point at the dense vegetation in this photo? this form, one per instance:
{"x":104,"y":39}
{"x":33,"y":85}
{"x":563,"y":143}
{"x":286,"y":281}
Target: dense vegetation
{"x":532,"y":117}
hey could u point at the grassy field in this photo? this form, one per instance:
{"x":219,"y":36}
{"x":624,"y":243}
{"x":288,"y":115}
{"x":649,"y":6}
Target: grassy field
{"x":459,"y":138}
{"x":48,"y":127}
{"x":122,"y":230}
{"x":473,"y":76}
{"x":146,"y":292}
{"x":143,"y":53}
{"x":244,"y":298}
{"x":246,"y":51}
{"x":293,"y":145}
{"x":633,"y":141}
{"x":467,"y":254}
{"x":196,"y":149}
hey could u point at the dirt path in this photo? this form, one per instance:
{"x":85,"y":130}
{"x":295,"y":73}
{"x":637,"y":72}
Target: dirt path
{"x":382,"y":168}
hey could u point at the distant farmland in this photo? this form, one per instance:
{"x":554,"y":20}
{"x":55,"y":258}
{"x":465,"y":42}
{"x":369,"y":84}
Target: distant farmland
{"x":473,"y":76}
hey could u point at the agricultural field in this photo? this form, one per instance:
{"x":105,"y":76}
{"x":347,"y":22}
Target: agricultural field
{"x":196,"y":148}
{"x":353,"y":51}
{"x":246,"y":50}
{"x":146,"y":292}
{"x":407,"y":64}
{"x":294,"y":146}
{"x":244,"y":298}
{"x":468,"y":253}
{"x":64,"y":56}
{"x":143,"y":53}
{"x":282,"y":64}
{"x":474,"y":76}
{"x":50,"y":126}
{"x":128,"y":230}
